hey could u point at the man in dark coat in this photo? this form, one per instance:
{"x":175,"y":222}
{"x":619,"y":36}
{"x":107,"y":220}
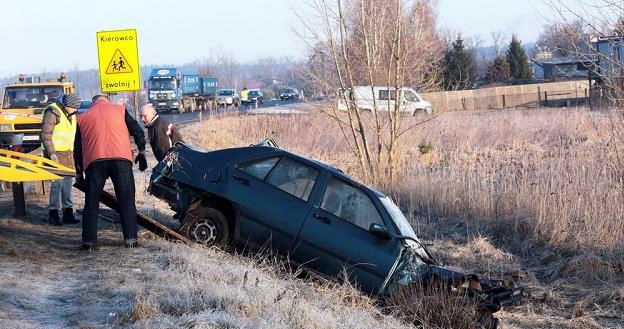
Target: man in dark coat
{"x":161,"y":133}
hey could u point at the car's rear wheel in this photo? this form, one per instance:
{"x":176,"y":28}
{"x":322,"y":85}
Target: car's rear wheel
{"x":206,"y":226}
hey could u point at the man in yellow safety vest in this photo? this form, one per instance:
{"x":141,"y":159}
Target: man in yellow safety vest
{"x":245,"y":97}
{"x":58,"y":131}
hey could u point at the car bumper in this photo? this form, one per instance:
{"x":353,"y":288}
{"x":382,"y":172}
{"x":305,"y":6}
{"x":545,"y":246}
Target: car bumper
{"x":30,"y":138}
{"x":226,"y":101}
{"x":165,"y":105}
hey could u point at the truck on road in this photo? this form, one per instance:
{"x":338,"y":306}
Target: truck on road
{"x":22,"y":107}
{"x":170,"y":90}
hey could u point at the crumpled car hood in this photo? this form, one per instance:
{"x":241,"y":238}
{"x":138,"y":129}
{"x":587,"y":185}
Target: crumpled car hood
{"x":410,"y":268}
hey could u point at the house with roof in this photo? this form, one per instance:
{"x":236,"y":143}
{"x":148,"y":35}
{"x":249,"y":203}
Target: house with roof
{"x":610,"y":56}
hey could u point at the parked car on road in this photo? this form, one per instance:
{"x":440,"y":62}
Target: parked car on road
{"x":254,"y":96}
{"x":84,"y":105}
{"x":267,"y":198}
{"x":289,"y":94}
{"x":366,"y":97}
{"x":228,"y":97}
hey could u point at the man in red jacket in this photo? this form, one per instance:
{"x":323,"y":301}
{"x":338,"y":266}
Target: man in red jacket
{"x":103,"y":151}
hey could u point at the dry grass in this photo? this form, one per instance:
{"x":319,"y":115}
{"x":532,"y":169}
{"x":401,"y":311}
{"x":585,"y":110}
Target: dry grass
{"x":531,"y":195}
{"x":546,"y":175}
{"x":534,"y":194}
{"x":434,"y":306}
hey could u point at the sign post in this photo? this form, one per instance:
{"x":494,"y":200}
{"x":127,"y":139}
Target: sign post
{"x":118,"y":58}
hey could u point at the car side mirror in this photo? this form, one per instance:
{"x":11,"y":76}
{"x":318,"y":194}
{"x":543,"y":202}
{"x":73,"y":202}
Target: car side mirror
{"x":380,"y":230}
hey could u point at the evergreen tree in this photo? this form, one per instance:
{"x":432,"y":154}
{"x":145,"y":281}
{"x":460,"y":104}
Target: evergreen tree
{"x":518,"y":60}
{"x":460,"y":69}
{"x":498,"y":70}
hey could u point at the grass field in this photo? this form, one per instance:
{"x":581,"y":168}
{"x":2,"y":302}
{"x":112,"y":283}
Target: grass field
{"x":536,"y":195}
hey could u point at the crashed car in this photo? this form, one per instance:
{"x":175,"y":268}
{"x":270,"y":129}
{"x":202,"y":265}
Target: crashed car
{"x":264,"y":197}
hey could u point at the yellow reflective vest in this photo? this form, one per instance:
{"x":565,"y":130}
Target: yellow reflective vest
{"x":65,"y":131}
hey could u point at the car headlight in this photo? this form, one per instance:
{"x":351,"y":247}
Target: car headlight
{"x":151,"y":96}
{"x":5,"y":127}
{"x":175,"y":103}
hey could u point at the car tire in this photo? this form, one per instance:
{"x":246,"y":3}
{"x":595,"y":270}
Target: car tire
{"x":206,"y":226}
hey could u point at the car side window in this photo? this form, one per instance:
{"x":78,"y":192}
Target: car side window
{"x":410,"y":96}
{"x":259,"y":169}
{"x":350,"y":204}
{"x":385,"y":93}
{"x":294,"y":178}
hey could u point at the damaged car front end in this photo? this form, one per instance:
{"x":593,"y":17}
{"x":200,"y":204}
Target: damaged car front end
{"x":416,"y":266}
{"x":488,"y":295}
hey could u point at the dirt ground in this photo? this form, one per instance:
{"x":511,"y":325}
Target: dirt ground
{"x":46,"y":281}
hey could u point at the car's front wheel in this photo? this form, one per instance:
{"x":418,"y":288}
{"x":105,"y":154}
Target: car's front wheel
{"x":206,"y":226}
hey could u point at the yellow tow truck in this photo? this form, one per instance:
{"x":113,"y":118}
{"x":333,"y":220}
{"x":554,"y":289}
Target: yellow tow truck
{"x":22,"y":106}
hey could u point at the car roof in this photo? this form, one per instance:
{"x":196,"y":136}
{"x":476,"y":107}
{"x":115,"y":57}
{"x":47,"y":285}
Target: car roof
{"x":236,"y":154}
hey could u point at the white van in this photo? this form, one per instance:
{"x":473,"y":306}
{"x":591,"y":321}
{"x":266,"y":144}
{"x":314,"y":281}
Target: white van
{"x":364,"y":95}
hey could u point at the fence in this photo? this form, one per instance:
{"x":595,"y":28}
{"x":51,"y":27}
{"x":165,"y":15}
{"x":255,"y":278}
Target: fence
{"x":568,"y":93}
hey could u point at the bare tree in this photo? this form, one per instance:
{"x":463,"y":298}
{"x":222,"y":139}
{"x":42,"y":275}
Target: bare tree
{"x":562,"y":38}
{"x":223,"y":65}
{"x":602,"y":20}
{"x":499,"y":42}
{"x":389,"y":43}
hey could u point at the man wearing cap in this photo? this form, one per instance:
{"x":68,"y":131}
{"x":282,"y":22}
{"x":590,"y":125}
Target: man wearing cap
{"x":58,"y":131}
{"x":103,"y":151}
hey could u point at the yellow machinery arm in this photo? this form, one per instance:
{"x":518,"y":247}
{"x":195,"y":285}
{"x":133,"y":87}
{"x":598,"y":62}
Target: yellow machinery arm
{"x":18,"y":167}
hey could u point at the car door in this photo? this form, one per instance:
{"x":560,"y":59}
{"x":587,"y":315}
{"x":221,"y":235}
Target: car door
{"x":335,"y":239}
{"x":383,"y":103}
{"x":411,"y":101}
{"x":271,"y":196}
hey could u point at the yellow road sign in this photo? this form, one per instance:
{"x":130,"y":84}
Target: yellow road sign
{"x":118,"y":59}
{"x":118,"y":64}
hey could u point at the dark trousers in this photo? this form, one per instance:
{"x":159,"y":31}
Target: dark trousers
{"x":120,"y":173}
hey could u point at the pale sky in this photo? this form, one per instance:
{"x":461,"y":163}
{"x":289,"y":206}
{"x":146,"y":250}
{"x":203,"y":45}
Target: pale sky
{"x":479,"y":18}
{"x":59,"y":35}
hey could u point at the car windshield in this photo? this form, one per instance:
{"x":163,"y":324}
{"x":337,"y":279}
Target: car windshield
{"x":288,"y":91}
{"x":28,"y":97}
{"x":162,"y":84}
{"x":226,"y":92}
{"x":253,"y":93}
{"x":403,"y":225}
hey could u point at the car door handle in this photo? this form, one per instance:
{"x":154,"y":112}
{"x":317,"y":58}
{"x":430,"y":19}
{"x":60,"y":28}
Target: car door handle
{"x":322,"y":218}
{"x":242,"y":180}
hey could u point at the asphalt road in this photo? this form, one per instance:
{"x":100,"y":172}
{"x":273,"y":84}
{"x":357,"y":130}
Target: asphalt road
{"x":190,"y":117}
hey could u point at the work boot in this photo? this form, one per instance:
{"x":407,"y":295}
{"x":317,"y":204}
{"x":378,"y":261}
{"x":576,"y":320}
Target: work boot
{"x":68,"y":216}
{"x":53,"y":218}
{"x":88,"y":247}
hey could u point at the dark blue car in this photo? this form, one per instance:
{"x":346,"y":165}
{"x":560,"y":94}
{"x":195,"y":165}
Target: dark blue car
{"x":268,"y":198}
